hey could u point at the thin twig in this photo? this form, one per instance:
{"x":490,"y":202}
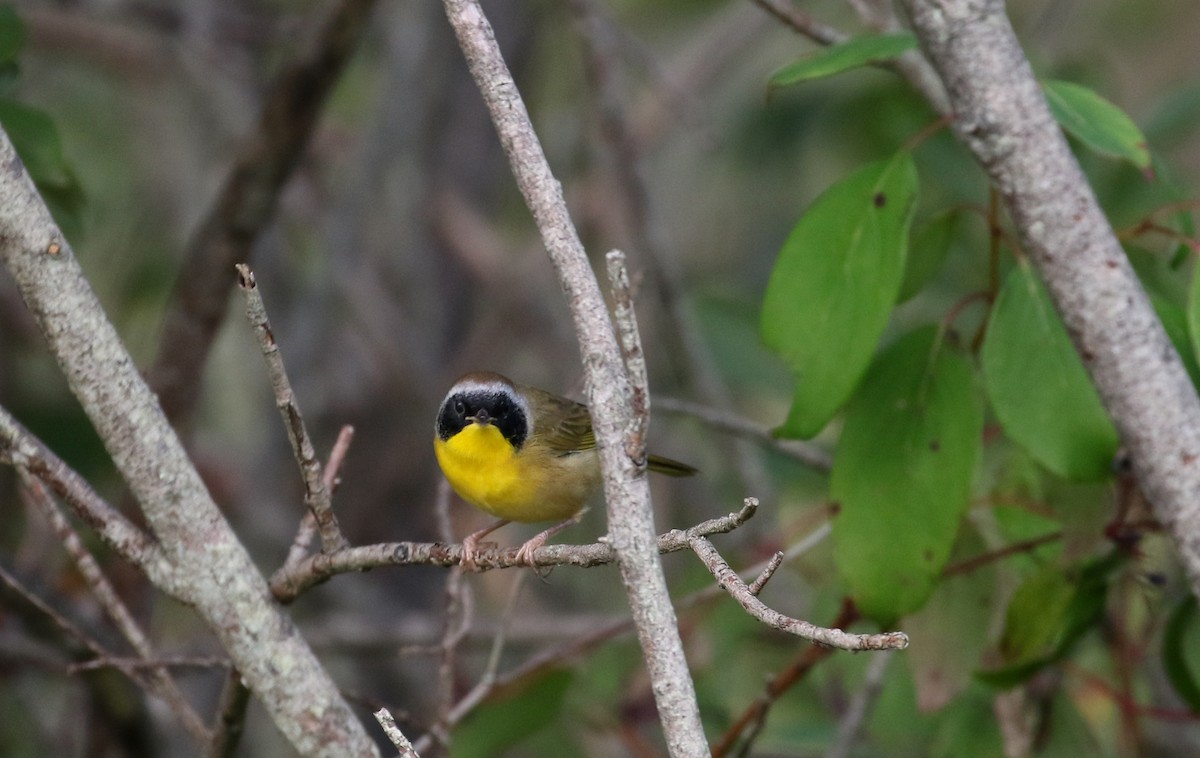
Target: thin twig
{"x":137,"y":673}
{"x":968,"y":565}
{"x":487,"y":680}
{"x":230,"y":720}
{"x":159,"y":678}
{"x":286,"y":585}
{"x":308,"y":523}
{"x":733,"y":584}
{"x":754,"y":717}
{"x":168,"y":661}
{"x":385,"y":719}
{"x":456,"y":622}
{"x":802,"y":23}
{"x":316,"y":493}
{"x":761,"y":580}
{"x":19,"y":447}
{"x":583,"y":644}
{"x":625,"y":319}
{"x":627,"y":495}
{"x":804,"y":452}
{"x":691,"y":353}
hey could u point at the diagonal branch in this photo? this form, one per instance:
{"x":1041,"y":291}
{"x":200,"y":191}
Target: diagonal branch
{"x":213,"y":571}
{"x":1002,"y":117}
{"x":159,"y":678}
{"x":293,"y":579}
{"x":19,"y":447}
{"x":317,"y":492}
{"x":627,"y":493}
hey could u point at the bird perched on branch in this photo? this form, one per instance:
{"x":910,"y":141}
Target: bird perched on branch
{"x":521,"y":454}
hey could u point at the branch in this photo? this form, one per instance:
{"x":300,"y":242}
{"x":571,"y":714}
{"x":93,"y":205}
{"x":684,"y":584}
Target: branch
{"x":805,"y":452}
{"x":1002,"y":117}
{"x":213,"y":572}
{"x":627,"y":493}
{"x":245,"y":204}
{"x":690,"y":353}
{"x":397,"y":738}
{"x":159,"y":679}
{"x":733,"y":584}
{"x":317,"y":496}
{"x":20,"y":448}
{"x":754,"y":717}
{"x":290,"y":581}
{"x":230,"y":721}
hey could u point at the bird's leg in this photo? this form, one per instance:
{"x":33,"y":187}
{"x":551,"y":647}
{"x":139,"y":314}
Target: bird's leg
{"x":525,"y":554}
{"x":470,"y":545}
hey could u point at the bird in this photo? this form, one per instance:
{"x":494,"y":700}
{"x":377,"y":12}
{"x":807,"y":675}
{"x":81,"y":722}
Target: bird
{"x":520,"y":454}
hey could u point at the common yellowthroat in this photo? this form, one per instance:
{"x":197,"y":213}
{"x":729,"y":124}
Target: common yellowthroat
{"x":521,"y":454}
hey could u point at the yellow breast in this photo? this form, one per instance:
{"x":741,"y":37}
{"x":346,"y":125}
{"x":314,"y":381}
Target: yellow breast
{"x":527,"y":485}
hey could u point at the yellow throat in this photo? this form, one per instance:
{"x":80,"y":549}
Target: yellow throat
{"x":483,"y":467}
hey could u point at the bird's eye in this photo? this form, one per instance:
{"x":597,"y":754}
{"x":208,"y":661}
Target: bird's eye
{"x":459,"y":408}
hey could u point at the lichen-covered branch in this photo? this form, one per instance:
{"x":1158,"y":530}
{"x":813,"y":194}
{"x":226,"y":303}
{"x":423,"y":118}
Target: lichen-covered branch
{"x":1002,"y":117}
{"x":627,"y":494}
{"x":213,"y":572}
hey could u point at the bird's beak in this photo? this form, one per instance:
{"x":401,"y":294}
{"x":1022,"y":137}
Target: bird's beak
{"x":481,"y":418}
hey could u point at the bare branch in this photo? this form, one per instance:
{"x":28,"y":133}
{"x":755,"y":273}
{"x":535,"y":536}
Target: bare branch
{"x":302,"y":542}
{"x":761,"y":580}
{"x":25,"y":451}
{"x":754,"y":717}
{"x":1002,"y":117}
{"x":627,"y":494}
{"x":487,"y":680}
{"x":231,"y":716}
{"x":689,"y":350}
{"x":246,"y":203}
{"x":631,"y":353}
{"x":385,"y":719}
{"x":214,"y":573}
{"x":316,"y":492}
{"x":805,"y":452}
{"x":161,"y":683}
{"x":289,"y":582}
{"x":164,"y":662}
{"x":733,"y":584}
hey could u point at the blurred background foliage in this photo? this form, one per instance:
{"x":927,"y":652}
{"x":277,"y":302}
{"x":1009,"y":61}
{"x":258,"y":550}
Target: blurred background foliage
{"x":401,"y":256}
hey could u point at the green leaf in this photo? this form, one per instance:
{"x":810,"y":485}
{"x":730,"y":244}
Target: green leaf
{"x":1096,"y":122}
{"x":36,"y":140}
{"x":1193,"y":312}
{"x":12,"y":34}
{"x":1047,"y":615}
{"x":500,"y":724}
{"x":1038,"y":387}
{"x":1175,"y":321}
{"x":834,"y":285}
{"x":1175,"y":656}
{"x":930,"y":245}
{"x":902,"y":473}
{"x":853,"y":53}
